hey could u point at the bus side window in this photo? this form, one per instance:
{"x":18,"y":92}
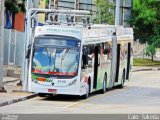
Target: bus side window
{"x":90,"y":55}
{"x":107,"y":50}
{"x":84,"y":57}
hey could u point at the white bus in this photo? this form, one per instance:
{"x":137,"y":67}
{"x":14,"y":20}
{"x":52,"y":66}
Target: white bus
{"x":78,"y":60}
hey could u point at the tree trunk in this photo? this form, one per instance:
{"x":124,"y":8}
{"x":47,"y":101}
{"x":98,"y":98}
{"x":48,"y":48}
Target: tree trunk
{"x":152,"y":57}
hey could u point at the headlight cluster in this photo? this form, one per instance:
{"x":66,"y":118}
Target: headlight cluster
{"x":72,"y":83}
{"x":35,"y":81}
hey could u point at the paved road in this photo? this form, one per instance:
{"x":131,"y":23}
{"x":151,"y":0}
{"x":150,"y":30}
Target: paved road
{"x":140,"y":95}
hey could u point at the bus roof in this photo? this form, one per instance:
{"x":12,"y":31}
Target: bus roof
{"x":96,"y":34}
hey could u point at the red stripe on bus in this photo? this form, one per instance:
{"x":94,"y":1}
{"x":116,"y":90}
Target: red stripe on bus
{"x":54,"y":73}
{"x":41,"y":79}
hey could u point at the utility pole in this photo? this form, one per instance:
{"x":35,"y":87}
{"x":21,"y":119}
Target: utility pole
{"x":56,"y":7}
{"x":117,"y":15}
{"x":50,"y":4}
{"x":29,"y":5}
{"x":1,"y":43}
{"x":77,"y":7}
{"x":55,"y":4}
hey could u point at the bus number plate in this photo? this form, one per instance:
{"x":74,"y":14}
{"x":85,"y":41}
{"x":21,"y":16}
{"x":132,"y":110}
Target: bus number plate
{"x":52,"y":90}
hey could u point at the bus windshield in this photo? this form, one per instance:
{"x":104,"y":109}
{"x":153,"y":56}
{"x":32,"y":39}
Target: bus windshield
{"x":55,"y":56}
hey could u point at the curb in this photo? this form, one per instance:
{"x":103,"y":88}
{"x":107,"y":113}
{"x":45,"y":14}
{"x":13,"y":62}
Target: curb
{"x":18,"y":100}
{"x":3,"y":83}
{"x":149,"y":69}
{"x":19,"y":91}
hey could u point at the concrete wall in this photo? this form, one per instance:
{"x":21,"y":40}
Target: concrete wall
{"x":14,"y":46}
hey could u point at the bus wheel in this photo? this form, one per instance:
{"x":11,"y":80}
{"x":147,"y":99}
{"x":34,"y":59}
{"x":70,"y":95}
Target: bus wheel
{"x":87,"y":93}
{"x":123,"y":80}
{"x":42,"y":95}
{"x":104,"y":84}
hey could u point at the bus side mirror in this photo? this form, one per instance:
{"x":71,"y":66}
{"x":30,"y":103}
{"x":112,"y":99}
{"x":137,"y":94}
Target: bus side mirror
{"x":28,"y":51}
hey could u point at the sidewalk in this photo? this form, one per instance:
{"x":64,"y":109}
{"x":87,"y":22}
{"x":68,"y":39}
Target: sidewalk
{"x":10,"y":84}
{"x":14,"y":93}
{"x":7,"y":80}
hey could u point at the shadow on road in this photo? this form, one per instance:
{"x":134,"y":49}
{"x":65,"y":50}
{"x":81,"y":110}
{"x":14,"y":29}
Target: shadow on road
{"x":73,"y":98}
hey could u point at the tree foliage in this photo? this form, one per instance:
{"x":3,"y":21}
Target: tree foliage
{"x":146,"y":19}
{"x":146,"y":23}
{"x":15,"y":6}
{"x":104,"y":13}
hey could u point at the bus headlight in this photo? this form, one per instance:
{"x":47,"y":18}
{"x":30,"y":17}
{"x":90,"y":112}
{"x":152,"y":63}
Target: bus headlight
{"x":35,"y":81}
{"x":72,"y":83}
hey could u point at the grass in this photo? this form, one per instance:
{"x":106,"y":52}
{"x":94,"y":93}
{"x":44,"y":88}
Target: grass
{"x":145,"y":62}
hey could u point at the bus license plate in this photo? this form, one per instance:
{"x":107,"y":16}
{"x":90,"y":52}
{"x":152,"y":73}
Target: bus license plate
{"x":52,"y":90}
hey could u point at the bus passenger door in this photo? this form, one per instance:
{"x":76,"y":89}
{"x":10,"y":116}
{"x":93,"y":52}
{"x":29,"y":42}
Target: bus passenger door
{"x":95,"y":66}
{"x":118,"y":62}
{"x":128,"y":61}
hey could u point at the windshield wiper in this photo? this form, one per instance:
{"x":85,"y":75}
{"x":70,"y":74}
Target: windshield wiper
{"x":66,"y":52}
{"x":49,"y":55}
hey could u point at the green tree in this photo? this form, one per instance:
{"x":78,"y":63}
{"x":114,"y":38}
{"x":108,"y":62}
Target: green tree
{"x":104,"y":13}
{"x":151,"y":49}
{"x":146,"y":23}
{"x":15,"y":6}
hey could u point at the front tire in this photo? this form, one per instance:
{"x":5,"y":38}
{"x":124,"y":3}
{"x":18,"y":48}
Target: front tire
{"x":42,"y":95}
{"x":123,"y":80}
{"x":87,"y":93}
{"x":104,"y":85}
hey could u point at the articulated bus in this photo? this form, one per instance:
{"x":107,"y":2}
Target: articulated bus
{"x":75,"y":60}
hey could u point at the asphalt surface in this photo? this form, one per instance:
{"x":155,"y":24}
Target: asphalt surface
{"x":140,"y":95}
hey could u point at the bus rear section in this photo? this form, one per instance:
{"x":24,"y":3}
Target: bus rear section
{"x":124,"y":56}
